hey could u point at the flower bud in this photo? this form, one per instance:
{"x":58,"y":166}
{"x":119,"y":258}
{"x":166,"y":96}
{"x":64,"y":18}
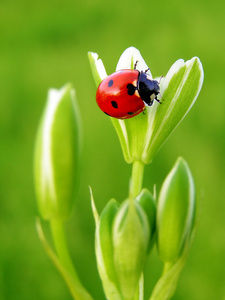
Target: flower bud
{"x":176,"y":212}
{"x":130,"y":243}
{"x":57,"y":153}
{"x":147,"y":202}
{"x":104,"y":251}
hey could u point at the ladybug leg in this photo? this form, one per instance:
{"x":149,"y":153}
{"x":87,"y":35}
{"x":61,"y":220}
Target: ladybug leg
{"x":135,"y":65}
{"x":144,"y":111}
{"x":147,"y":70}
{"x":158,"y":99}
{"x":161,"y":98}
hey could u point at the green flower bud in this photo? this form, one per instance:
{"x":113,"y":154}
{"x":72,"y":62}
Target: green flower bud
{"x":130,"y":243}
{"x":147,"y":202}
{"x":104,"y":251}
{"x":143,"y":135}
{"x":57,"y":154}
{"x":176,"y":212}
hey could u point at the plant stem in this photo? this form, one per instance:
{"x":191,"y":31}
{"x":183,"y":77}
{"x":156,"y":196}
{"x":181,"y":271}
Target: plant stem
{"x":137,"y":178}
{"x":167,"y":267}
{"x":57,"y":228}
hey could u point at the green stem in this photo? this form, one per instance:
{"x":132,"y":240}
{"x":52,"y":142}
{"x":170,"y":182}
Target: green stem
{"x":166,"y":268}
{"x":166,"y":285}
{"x":78,"y":291}
{"x":137,"y":178}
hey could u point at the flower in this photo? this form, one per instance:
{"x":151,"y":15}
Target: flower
{"x":143,"y":135}
{"x":57,"y":152}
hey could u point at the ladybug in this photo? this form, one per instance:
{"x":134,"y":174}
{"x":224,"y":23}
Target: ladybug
{"x":125,"y":93}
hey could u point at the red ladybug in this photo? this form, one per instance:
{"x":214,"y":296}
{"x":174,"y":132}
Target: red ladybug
{"x":125,"y":93}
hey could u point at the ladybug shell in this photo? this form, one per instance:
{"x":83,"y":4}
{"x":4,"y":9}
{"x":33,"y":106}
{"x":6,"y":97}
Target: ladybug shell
{"x":117,"y":95}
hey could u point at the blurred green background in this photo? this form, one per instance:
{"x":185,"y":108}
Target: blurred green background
{"x":44,"y":44}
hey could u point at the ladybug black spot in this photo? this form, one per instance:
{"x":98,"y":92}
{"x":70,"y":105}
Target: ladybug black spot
{"x":130,"y":113}
{"x":114,"y":104}
{"x":131,"y":89}
{"x":110,"y":83}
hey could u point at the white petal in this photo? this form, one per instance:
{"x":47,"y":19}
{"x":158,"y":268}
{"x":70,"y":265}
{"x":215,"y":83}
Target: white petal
{"x":99,"y":66}
{"x":129,"y":58}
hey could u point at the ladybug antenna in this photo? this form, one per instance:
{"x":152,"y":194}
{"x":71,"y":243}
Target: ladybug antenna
{"x":147,"y":70}
{"x":135,"y":65}
{"x":160,"y":79}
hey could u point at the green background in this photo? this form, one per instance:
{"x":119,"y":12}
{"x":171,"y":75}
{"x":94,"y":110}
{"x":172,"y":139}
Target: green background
{"x":44,"y":44}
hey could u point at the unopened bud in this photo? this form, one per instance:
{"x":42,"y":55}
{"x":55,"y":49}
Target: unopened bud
{"x":57,"y":154}
{"x":130,"y":242}
{"x":176,"y":210}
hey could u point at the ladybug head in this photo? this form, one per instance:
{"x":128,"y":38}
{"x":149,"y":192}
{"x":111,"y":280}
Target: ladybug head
{"x":148,"y":89}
